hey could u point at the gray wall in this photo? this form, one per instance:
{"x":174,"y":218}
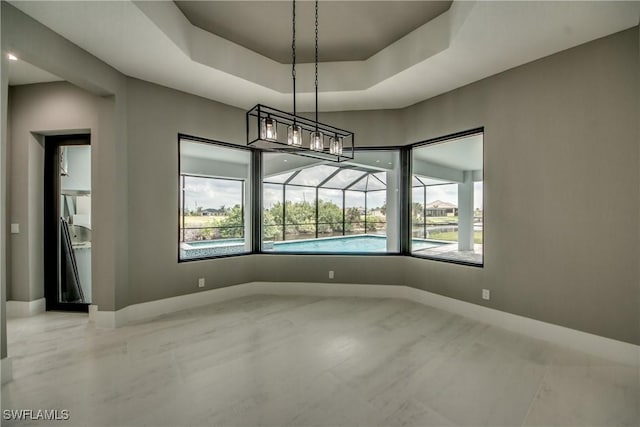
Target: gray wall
{"x":559,"y":131}
{"x":3,"y":196}
{"x":378,"y":270}
{"x":156,"y":116}
{"x":59,"y":108}
{"x":37,"y":110}
{"x":561,"y":187}
{"x":549,"y":126}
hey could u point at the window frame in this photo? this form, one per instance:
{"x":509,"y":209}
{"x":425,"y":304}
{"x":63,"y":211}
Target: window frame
{"x":247,"y":187}
{"x":254,"y":185}
{"x":408,"y":206}
{"x":396,"y":149}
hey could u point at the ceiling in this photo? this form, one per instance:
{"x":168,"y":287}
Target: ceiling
{"x":154,"y":41}
{"x":464,"y":154}
{"x":373,"y":160}
{"x":348,"y":31}
{"x":23,"y":73}
{"x":202,"y":150}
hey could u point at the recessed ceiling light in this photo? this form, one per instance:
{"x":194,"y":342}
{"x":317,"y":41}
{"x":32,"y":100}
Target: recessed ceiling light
{"x":377,"y":161}
{"x":390,"y":163}
{"x":286,"y":160}
{"x":12,"y":57}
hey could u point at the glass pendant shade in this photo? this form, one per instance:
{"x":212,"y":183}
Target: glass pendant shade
{"x":294,"y":135}
{"x":268,"y":129}
{"x":335,"y":145}
{"x":317,"y":141}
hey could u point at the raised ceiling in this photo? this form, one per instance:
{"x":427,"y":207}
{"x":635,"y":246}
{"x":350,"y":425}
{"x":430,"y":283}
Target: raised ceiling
{"x":348,"y":31}
{"x":154,"y":41}
{"x":23,"y":73}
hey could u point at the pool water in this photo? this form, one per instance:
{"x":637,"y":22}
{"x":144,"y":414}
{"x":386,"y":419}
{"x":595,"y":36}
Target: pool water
{"x":346,"y":244}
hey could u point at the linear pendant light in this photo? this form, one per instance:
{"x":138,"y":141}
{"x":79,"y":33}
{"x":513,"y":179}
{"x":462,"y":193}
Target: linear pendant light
{"x":263,"y":122}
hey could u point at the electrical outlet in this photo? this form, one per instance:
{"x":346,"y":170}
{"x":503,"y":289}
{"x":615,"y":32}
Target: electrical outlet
{"x":201,"y":282}
{"x":486,"y":294}
{"x":330,"y":274}
{"x":15,"y":228}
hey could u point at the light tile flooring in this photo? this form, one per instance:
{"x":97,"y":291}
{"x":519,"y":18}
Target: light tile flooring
{"x":309,"y":361}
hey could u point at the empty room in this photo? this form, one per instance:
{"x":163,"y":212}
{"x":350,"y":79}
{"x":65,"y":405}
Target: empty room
{"x":320,"y":213}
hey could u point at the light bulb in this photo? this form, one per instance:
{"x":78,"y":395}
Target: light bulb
{"x":317,"y":141}
{"x":335,"y":145}
{"x":268,"y":129}
{"x":294,"y":135}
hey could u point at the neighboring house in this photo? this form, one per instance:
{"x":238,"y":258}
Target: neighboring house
{"x":377,"y":212}
{"x":213,"y":212}
{"x":440,"y":208}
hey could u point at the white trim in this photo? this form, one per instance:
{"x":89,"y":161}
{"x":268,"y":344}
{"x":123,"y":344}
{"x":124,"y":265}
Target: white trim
{"x":589,"y":343}
{"x":104,"y":319}
{"x":25,"y":308}
{"x":596,"y":345}
{"x":151,"y":309}
{"x":6,"y":369}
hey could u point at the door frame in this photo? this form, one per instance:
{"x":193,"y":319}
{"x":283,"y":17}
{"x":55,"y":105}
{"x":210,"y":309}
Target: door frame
{"x":52,"y":191}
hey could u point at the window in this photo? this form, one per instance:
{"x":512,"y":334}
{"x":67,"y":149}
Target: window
{"x":315,"y":206}
{"x":446,"y":206}
{"x":214,"y":211}
{"x":310,"y":206}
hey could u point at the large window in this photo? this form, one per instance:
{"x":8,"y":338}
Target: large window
{"x":446,"y":206}
{"x":317,"y":206}
{"x":310,"y":206}
{"x":214,"y":210}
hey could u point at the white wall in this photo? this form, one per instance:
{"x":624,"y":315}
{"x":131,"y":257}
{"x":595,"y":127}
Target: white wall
{"x":78,"y":168}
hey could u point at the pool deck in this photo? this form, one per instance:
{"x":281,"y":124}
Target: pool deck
{"x":447,"y":251}
{"x":451,"y":252}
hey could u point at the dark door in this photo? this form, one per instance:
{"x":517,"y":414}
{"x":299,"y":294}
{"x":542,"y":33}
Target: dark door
{"x":67,"y":222}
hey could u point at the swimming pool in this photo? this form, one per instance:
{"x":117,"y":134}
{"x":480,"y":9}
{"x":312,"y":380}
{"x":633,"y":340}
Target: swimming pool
{"x":363,"y":243}
{"x":209,"y":248}
{"x":347,"y":244}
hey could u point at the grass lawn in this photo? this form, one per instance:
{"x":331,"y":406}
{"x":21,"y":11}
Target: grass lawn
{"x":202,"y":221}
{"x":452,"y":236}
{"x":437,"y":220}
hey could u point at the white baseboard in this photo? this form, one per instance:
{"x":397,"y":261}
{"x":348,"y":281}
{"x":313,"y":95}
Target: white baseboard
{"x":6,"y":370}
{"x":25,"y":308}
{"x":589,"y":343}
{"x":596,"y":345}
{"x":149,"y":310}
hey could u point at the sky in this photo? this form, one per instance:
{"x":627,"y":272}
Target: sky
{"x":449,"y":193}
{"x":212,"y":193}
{"x":209,"y":193}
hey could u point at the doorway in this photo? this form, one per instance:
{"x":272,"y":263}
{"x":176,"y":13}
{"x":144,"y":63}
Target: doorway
{"x":67,"y":222}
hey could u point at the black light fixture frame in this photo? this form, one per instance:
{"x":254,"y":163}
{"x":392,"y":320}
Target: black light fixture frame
{"x":284,"y":120}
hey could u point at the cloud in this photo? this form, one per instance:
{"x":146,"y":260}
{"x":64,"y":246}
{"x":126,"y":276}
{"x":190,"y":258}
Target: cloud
{"x":212,"y":193}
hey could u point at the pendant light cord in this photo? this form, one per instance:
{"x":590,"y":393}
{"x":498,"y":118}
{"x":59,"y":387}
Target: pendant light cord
{"x":316,"y":65}
{"x":293,"y":55}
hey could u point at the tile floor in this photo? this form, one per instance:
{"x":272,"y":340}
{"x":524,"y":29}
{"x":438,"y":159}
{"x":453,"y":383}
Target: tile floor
{"x":309,"y":361}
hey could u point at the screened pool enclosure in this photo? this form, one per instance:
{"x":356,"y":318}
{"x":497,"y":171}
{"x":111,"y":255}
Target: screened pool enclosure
{"x":306,"y":199}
